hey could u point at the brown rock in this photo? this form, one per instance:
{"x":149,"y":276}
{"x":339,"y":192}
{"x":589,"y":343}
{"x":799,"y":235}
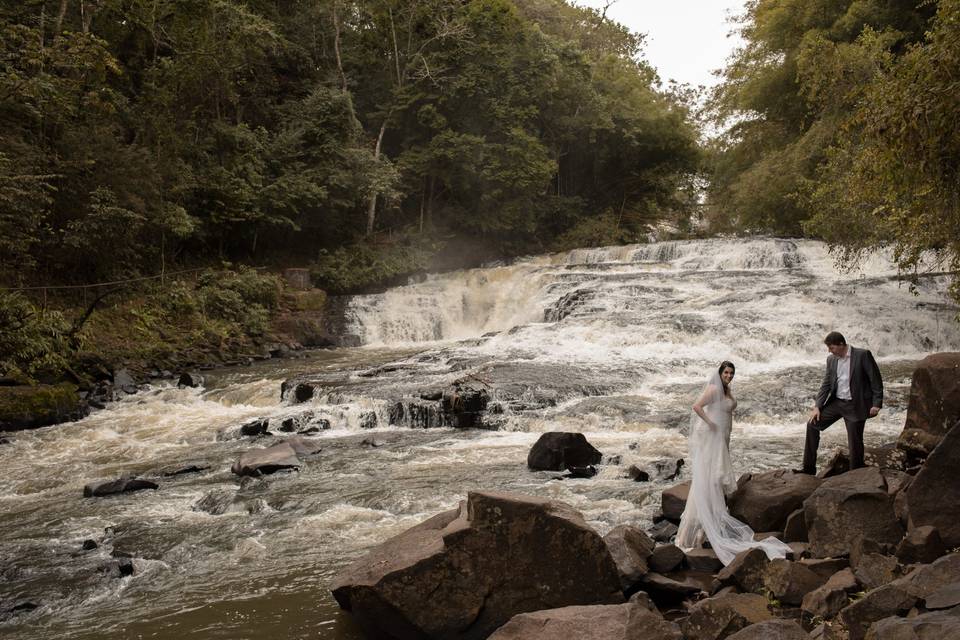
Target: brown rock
{"x":875,"y":570}
{"x":789,"y":581}
{"x":666,"y":558}
{"x":265,"y":461}
{"x":847,"y":508}
{"x":772,"y":630}
{"x":674,"y":500}
{"x":936,"y":625}
{"x":765,"y":500}
{"x":666,"y":591}
{"x":721,"y":616}
{"x":921,"y":545}
{"x":795,"y":530}
{"x":944,"y":597}
{"x":630,"y":548}
{"x":610,"y":622}
{"x":825,"y":567}
{"x":933,"y":498}
{"x":663,"y":531}
{"x":826,"y":601}
{"x":934,"y":404}
{"x":703,"y":560}
{"x":746,"y":570}
{"x":559,"y":451}
{"x":463,"y":573}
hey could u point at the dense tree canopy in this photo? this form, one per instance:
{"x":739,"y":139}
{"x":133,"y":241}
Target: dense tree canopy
{"x":136,"y":134}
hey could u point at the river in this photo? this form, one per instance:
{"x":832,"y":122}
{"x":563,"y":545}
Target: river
{"x":612,"y":342}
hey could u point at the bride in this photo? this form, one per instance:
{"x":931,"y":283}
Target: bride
{"x":706,"y":512}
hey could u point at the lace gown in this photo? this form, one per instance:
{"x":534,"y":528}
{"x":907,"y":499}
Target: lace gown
{"x":706,"y":515}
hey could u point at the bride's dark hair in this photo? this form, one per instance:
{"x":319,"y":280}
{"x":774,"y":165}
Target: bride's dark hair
{"x":726,"y":364}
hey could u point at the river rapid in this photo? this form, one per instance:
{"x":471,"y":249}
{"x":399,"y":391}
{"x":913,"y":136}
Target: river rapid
{"x":611,"y":342}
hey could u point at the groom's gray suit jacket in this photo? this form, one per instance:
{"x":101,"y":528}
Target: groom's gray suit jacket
{"x":866,"y":385}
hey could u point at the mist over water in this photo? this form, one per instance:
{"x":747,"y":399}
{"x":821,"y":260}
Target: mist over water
{"x":612,"y":342}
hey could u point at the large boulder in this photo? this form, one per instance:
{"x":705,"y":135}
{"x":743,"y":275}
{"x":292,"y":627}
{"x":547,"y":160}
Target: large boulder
{"x":630,"y":621}
{"x":718,"y":617}
{"x":259,"y":462}
{"x":933,"y":498}
{"x":934,"y":404}
{"x":463,"y":573}
{"x":934,"y":625}
{"x":848,"y":509}
{"x":31,"y":406}
{"x":464,"y":402}
{"x":899,"y":596}
{"x":559,"y":451}
{"x":765,"y":500}
{"x":789,"y":581}
{"x":630,"y":548}
{"x":826,"y":601}
{"x":746,"y":570}
{"x":673,"y":501}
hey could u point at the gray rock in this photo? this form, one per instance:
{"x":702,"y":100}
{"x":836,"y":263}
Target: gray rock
{"x":124,"y":484}
{"x":630,"y":548}
{"x":258,"y":462}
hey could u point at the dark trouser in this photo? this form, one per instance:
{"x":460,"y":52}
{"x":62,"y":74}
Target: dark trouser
{"x":833,"y":411}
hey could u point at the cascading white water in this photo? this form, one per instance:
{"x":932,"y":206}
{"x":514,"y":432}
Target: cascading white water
{"x":612,"y":342}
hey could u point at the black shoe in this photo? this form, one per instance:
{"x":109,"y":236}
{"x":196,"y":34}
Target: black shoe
{"x":809,"y":472}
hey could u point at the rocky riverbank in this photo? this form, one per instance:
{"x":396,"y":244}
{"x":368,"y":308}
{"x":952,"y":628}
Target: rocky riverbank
{"x":874,"y":554}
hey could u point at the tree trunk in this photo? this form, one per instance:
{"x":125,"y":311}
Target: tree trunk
{"x":372,"y":207}
{"x":336,"y":48}
{"x":60,"y":16}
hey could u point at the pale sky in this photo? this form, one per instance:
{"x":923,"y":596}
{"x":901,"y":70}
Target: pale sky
{"x":686,"y":39}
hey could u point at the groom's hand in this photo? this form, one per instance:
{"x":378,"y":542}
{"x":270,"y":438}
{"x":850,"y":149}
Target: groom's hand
{"x":874,"y":411}
{"x":815,"y":414}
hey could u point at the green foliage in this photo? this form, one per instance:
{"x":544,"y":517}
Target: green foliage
{"x":244,"y":297}
{"x":33,"y":340}
{"x":365,"y":265}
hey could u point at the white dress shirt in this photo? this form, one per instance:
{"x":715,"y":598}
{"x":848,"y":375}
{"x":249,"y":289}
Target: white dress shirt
{"x":843,"y":376}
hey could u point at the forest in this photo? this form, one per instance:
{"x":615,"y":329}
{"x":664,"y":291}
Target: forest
{"x":368,"y":140}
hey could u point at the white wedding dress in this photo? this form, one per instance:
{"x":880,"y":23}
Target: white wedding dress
{"x":706,"y":515}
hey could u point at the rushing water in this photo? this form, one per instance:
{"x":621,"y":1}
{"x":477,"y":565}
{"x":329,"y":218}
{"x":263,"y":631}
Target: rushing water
{"x":612,"y":342}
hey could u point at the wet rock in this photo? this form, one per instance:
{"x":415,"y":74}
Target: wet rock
{"x":674,"y":500}
{"x":665,"y":558}
{"x":669,"y":469}
{"x":190,"y":379}
{"x":581,"y":472}
{"x":663,"y":531}
{"x":847,"y":508}
{"x":257,"y":427}
{"x":124,"y":484}
{"x":628,"y":621}
{"x":496,"y":556}
{"x":258,"y":462}
{"x":119,"y":568}
{"x":746,"y":570}
{"x":720,"y":616}
{"x":464,"y":402}
{"x":933,"y":498}
{"x":417,"y":414}
{"x":123,"y":381}
{"x":558,"y":451}
{"x":934,"y":403}
{"x":188,"y":467}
{"x":216,"y":502}
{"x":303,"y":447}
{"x":89,"y":545}
{"x":29,"y":407}
{"x":944,"y":598}
{"x":4,"y":441}
{"x":933,"y":625}
{"x":309,"y":431}
{"x":703,"y":561}
{"x":296,"y":392}
{"x":771,"y":630}
{"x":368,"y":420}
{"x":25,"y":606}
{"x":789,"y":581}
{"x":765,"y":500}
{"x":637,"y":474}
{"x":630,"y":549}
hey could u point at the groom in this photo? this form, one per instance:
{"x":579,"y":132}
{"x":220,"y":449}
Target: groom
{"x":853,"y":390}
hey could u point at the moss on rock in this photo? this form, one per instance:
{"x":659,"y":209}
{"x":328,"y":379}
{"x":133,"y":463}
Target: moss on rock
{"x":28,"y":407}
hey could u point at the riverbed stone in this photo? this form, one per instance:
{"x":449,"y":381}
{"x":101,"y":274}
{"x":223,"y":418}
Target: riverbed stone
{"x":630,"y":621}
{"x":720,"y":616}
{"x":663,"y":531}
{"x":257,"y":462}
{"x":746,"y":570}
{"x":32,"y":406}
{"x":559,"y":451}
{"x":848,"y":508}
{"x":933,"y":498}
{"x":933,"y":625}
{"x":666,"y":558}
{"x":703,"y":560}
{"x":789,"y":581}
{"x":765,"y":500}
{"x":934,"y":403}
{"x":465,"y":572}
{"x":123,"y":484}
{"x":829,"y":599}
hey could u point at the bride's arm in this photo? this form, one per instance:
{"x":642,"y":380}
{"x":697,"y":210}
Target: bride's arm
{"x":701,"y":403}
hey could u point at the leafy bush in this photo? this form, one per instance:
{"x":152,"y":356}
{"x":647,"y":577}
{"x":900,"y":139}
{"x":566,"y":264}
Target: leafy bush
{"x":356,"y":267}
{"x":33,"y":341}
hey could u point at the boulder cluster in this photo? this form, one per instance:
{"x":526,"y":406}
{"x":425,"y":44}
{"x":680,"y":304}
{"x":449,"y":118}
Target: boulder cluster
{"x":875,"y":554}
